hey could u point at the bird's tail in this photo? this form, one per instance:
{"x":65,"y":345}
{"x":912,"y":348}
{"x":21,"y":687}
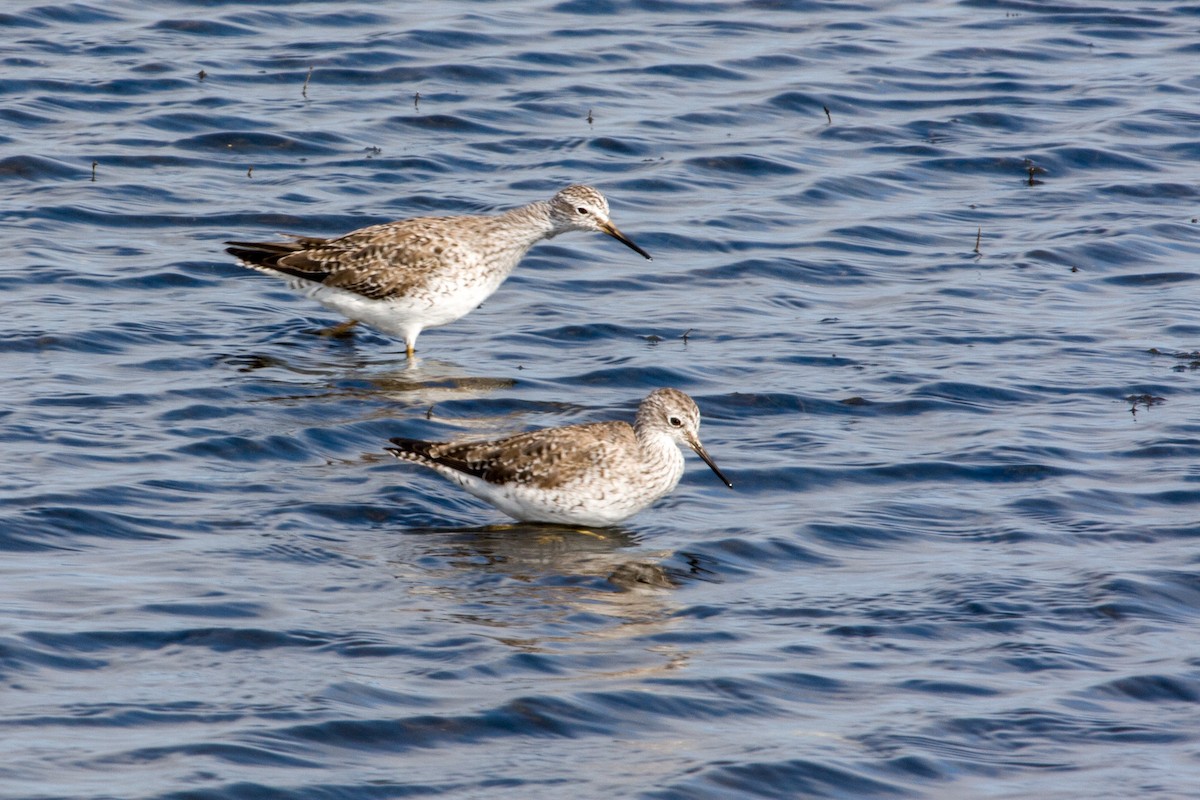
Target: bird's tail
{"x":414,"y":450}
{"x":267,"y":254}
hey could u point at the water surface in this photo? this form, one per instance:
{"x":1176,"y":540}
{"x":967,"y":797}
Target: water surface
{"x":928,"y":269}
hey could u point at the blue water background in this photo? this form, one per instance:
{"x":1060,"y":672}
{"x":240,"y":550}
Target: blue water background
{"x":944,"y":337}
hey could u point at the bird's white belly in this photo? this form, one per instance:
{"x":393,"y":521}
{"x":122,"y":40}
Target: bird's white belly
{"x":586,"y":503}
{"x":403,"y":315}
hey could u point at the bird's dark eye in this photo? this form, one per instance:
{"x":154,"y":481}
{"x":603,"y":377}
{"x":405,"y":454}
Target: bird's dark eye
{"x":675,"y":422}
{"x":582,"y":210}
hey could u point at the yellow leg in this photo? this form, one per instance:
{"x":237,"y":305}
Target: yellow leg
{"x":409,"y":348}
{"x":341,"y":329}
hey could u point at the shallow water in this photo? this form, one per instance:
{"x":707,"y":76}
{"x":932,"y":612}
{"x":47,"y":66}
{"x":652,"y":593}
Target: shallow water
{"x":961,"y":556}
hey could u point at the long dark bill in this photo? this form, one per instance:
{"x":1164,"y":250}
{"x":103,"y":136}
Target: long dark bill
{"x":704,"y":456}
{"x":612,"y":231}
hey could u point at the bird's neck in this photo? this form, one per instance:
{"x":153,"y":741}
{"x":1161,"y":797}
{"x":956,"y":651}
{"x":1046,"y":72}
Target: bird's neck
{"x":661,"y":457}
{"x":508,"y":236}
{"x":530,"y":224}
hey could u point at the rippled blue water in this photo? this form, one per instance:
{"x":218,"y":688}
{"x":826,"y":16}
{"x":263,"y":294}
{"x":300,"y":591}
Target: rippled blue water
{"x":944,"y":338}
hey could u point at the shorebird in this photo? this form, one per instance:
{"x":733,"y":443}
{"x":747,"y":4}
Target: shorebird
{"x":402,"y":277}
{"x":591,"y":475}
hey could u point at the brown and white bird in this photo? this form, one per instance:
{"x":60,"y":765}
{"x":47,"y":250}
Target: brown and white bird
{"x":594,"y":475}
{"x":402,"y":277}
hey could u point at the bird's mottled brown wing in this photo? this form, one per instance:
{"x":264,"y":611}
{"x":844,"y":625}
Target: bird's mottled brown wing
{"x":543,"y":459}
{"x":378,"y":262}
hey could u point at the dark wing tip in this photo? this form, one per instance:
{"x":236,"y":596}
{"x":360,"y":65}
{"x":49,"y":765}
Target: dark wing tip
{"x":265,"y":254}
{"x":241,"y":252}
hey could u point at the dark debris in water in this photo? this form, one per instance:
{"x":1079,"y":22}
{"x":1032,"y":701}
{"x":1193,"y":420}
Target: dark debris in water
{"x":1031,"y":170}
{"x":654,"y":338}
{"x":1144,"y":400}
{"x":1192,"y":358}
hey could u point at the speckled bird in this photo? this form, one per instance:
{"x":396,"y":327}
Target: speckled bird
{"x":591,"y":475}
{"x":402,"y":277}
